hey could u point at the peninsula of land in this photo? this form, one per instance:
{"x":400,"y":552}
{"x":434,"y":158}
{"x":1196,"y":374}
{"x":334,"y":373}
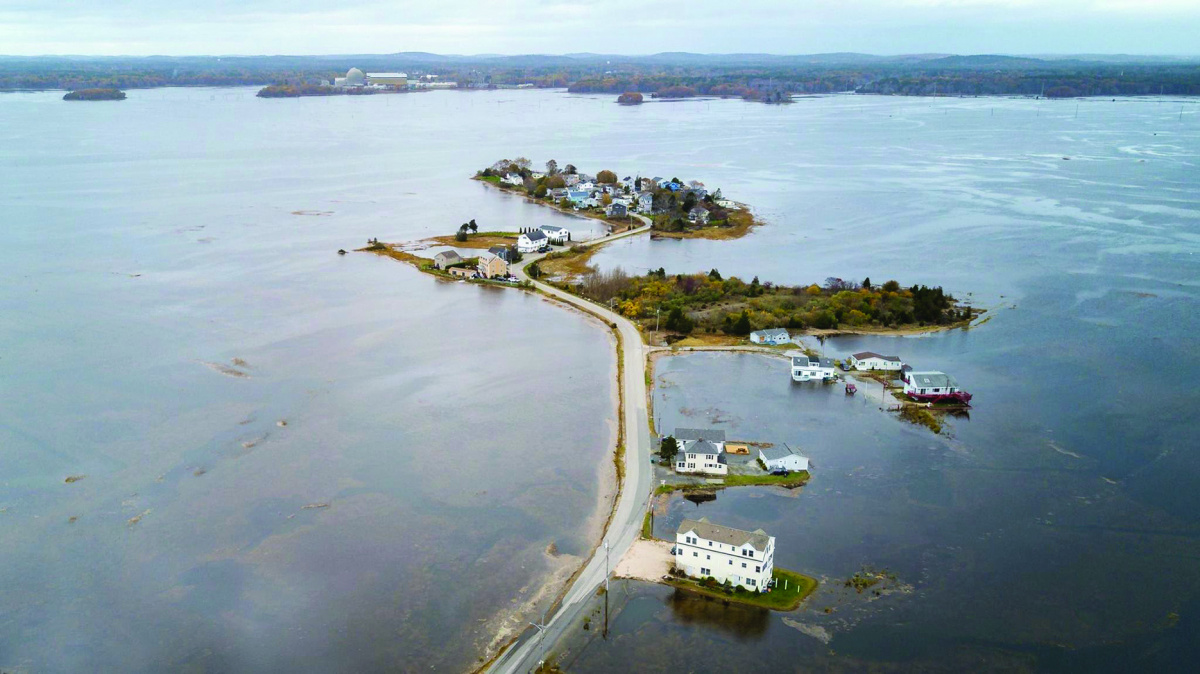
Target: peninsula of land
{"x":697,"y":306}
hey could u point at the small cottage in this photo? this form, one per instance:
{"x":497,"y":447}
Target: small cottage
{"x":772,"y":336}
{"x":446,"y":258}
{"x":869,"y":360}
{"x":782,"y":457}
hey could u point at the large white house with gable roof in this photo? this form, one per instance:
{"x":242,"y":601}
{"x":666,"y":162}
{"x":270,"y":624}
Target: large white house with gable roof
{"x":744,"y":558}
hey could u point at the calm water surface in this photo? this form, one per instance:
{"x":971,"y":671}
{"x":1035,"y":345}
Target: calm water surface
{"x":455,"y":432}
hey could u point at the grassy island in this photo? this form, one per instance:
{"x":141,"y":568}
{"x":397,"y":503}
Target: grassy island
{"x":677,"y":209}
{"x":95,"y":95}
{"x":792,"y":589}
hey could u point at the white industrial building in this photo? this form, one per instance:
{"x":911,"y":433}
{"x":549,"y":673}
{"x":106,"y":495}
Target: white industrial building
{"x":745,"y":558}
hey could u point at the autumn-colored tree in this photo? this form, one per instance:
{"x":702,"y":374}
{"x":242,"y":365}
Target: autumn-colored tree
{"x":606,"y":176}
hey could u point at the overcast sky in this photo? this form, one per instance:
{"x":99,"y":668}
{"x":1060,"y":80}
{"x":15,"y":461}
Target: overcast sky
{"x":607,"y":26}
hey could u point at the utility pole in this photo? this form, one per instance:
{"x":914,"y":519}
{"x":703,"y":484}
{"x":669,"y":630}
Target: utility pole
{"x":541,"y":628}
{"x":656,"y":319}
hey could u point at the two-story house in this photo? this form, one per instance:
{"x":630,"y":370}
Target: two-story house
{"x":701,"y":456}
{"x":706,"y":550}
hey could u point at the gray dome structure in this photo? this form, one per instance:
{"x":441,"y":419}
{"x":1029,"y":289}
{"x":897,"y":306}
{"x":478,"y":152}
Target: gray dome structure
{"x":354,"y":76}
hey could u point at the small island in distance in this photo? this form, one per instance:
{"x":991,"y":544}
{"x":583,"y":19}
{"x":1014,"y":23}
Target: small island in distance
{"x":95,"y":95}
{"x":630,"y":98}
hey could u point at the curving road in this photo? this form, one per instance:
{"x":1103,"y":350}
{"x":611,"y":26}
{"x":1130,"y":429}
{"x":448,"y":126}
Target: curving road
{"x":626,"y":524}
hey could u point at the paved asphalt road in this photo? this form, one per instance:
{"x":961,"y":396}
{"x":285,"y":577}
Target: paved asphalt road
{"x":626,"y":524}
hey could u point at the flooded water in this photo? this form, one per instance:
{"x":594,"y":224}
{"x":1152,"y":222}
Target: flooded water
{"x":170,"y":293}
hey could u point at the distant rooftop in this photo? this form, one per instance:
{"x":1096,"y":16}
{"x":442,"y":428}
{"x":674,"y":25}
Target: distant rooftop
{"x":710,"y":434}
{"x":722,"y":534}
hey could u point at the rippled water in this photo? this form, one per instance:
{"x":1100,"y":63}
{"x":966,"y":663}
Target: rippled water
{"x":455,"y":432}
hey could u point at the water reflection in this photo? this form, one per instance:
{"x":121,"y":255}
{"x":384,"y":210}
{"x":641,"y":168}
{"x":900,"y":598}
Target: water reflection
{"x":744,"y":623}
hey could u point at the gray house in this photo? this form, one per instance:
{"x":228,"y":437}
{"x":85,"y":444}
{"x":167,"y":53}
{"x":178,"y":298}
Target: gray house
{"x":710,"y":434}
{"x":446,"y":258}
{"x":616,"y":210}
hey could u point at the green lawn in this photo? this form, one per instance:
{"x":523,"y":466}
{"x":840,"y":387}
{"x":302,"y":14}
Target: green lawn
{"x":790,"y":480}
{"x":795,"y":479}
{"x":798,"y":587}
{"x":648,"y":526}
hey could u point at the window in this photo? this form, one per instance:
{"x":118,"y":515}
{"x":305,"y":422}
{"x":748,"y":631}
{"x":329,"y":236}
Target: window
{"x":743,"y":565}
{"x":710,"y":544}
{"x":695,"y":554}
{"x":750,"y":553}
{"x":708,"y":556}
{"x":750,"y":581}
{"x":758,"y":569}
{"x":731,"y":563}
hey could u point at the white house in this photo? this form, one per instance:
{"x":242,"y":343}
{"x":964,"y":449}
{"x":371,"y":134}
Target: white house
{"x":745,"y":558}
{"x":929,"y":385}
{"x":772,"y":336}
{"x":514,"y":179}
{"x":701,"y":456}
{"x":645,"y":202}
{"x":532,"y":241}
{"x":782,"y":457}
{"x":807,"y":368}
{"x":555,"y":233}
{"x":869,"y":360}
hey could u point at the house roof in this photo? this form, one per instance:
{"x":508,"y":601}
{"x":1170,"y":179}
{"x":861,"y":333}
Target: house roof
{"x":535,"y":235}
{"x":931,"y":379}
{"x":701,"y":446}
{"x":773,"y":332}
{"x":777,"y":452}
{"x":449,"y":255}
{"x":488,"y":257}
{"x":499,"y":251}
{"x":710,"y":434}
{"x":862,"y":355}
{"x":552,"y":228}
{"x":757,"y":539}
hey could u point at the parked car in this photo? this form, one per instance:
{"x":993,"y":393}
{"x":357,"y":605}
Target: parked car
{"x":779,"y":472}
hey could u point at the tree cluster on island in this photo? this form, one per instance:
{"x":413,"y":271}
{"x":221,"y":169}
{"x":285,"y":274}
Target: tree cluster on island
{"x":298,"y":90}
{"x":686,"y":303}
{"x":630,"y":98}
{"x":95,"y":95}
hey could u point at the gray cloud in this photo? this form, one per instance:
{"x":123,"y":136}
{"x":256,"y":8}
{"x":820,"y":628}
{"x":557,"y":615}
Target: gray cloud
{"x":614,"y":26}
